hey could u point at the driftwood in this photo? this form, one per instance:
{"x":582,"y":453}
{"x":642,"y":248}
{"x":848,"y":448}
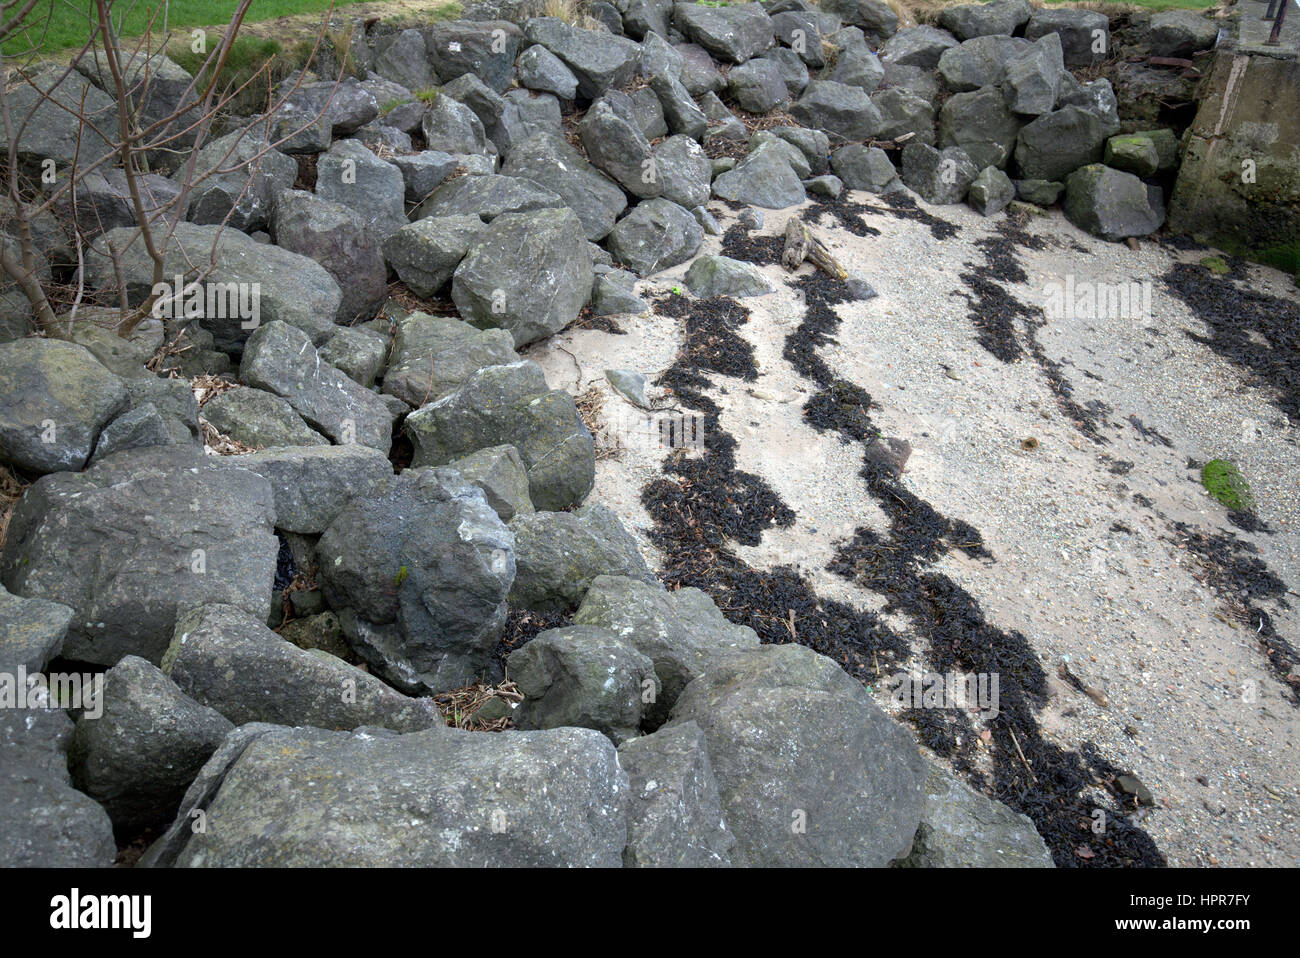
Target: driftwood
{"x":800,"y":244}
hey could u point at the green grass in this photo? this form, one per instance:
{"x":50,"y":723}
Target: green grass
{"x":1224,"y":481}
{"x":59,"y":24}
{"x":1150,"y":4}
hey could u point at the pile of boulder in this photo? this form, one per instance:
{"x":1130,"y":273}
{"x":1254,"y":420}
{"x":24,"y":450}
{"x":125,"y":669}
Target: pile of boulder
{"x":272,"y":626}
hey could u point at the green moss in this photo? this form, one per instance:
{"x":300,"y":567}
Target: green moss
{"x":1216,"y":265}
{"x":1224,"y":481}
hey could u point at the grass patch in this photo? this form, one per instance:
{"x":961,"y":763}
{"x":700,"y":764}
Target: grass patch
{"x":248,"y":56}
{"x":1224,"y":481}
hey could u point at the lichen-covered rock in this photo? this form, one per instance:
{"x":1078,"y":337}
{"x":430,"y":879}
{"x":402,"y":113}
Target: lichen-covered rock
{"x":259,"y":419}
{"x":713,"y":275}
{"x":656,"y":235}
{"x":32,"y":632}
{"x":1112,"y":204}
{"x":425,"y":254}
{"x":732,"y":33}
{"x":312,"y":484}
{"x":500,"y":473}
{"x":991,"y":191}
{"x":433,"y":355}
{"x":939,"y":177}
{"x":582,"y":676}
{"x":559,"y":554}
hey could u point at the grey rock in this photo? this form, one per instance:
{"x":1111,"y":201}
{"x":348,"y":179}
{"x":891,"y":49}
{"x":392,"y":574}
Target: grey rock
{"x":1033,"y":79}
{"x":559,"y":554}
{"x":229,"y":661}
{"x":764,"y":178}
{"x":104,"y":201}
{"x":243,"y":196}
{"x":31,"y":632}
{"x":524,"y":799}
{"x":339,"y":238}
{"x":281,"y":359}
{"x":352,"y":175}
{"x":699,"y":74}
{"x":379,"y":136}
{"x":826,"y":185}
{"x":347,"y":105}
{"x":540,"y":69}
{"x":433,"y":355}
{"x":55,"y":398}
{"x":685,"y":171}
{"x":919,"y":81}
{"x":501,"y":474}
{"x":452,"y":127}
{"x":939,"y":177}
{"x":600,"y":61}
{"x":48,"y":103}
{"x":1059,"y":142}
{"x":656,"y":235}
{"x":398,"y":106}
{"x":312,"y":484}
{"x":800,"y":30}
{"x":418,"y":573}
{"x":902,"y":113}
{"x":985,"y":19}
{"x":814,"y":144}
{"x":405,"y":61}
{"x":486,"y":49}
{"x":682,"y":632}
{"x":789,"y":732}
{"x":981,"y":123}
{"x":732,"y":33}
{"x":629,"y":384}
{"x":865,"y":168}
{"x":46,"y":823}
{"x":290,"y":288}
{"x":525,"y":115}
{"x":844,"y":112}
{"x":713,"y":275}
{"x":552,"y":164}
{"x":858,"y":68}
{"x":610,"y":298}
{"x":791,"y":68}
{"x":991,"y":191}
{"x":616,"y":146}
{"x":681,"y":113}
{"x":1180,"y":33}
{"x":529,"y":273}
{"x":757,"y":85}
{"x":584,"y":677}
{"x":511,"y":404}
{"x":982,"y":61}
{"x":136,"y":428}
{"x":960,"y":828}
{"x":875,"y":17}
{"x":359,"y":354}
{"x":1079,"y":31}
{"x":123,"y":546}
{"x":1112,"y":204}
{"x":423,"y":172}
{"x":259,"y":419}
{"x":425,"y":254}
{"x":140,"y":755}
{"x":487,"y":197}
{"x":675,"y":816}
{"x":1041,"y":192}
{"x":919,"y":46}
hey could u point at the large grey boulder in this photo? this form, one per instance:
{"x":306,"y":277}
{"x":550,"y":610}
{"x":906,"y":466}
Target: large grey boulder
{"x":485,"y":49}
{"x":699,"y":74}
{"x":138,"y":427}
{"x":617,"y":146}
{"x":675,"y":816}
{"x":135,"y":536}
{"x":138,"y":757}
{"x":403,"y":59}
{"x":229,"y":661}
{"x":349,"y":173}
{"x":103,"y":201}
{"x":425,"y":254}
{"x":157,"y":88}
{"x":1085,"y":34}
{"x":685,"y":170}
{"x":551,"y":163}
{"x":347,"y":105}
{"x":521,"y":799}
{"x":43,"y":105}
{"x":1033,"y":79}
{"x":582,"y":676}
{"x":418,"y":573}
{"x":982,"y":61}
{"x":259,"y":419}
{"x":763,"y":178}
{"x":985,"y":19}
{"x":423,"y":172}
{"x":656,"y":235}
{"x":46,"y":823}
{"x":433,"y":355}
{"x":865,"y":168}
{"x":559,"y":554}
{"x":251,"y":284}
{"x":681,"y":113}
{"x":359,"y":351}
{"x":732,"y":33}
{"x":757,"y":86}
{"x":991,"y":192}
{"x":682,"y":632}
{"x":500,"y":473}
{"x":540,"y":69}
{"x":340,"y":239}
{"x":524,"y":115}
{"x":242,"y":196}
{"x":529,"y":273}
{"x":398,"y":107}
{"x":487,"y":196}
{"x":875,"y":17}
{"x":801,"y":31}
{"x":452,"y":127}
{"x":1059,"y":142}
{"x":811,"y":772}
{"x":960,"y":828}
{"x":713,"y":275}
{"x":858,"y":67}
{"x":32,"y":632}
{"x":1180,"y":33}
{"x":55,"y":398}
{"x":600,"y":61}
{"x":794,"y":74}
{"x":903,"y":113}
{"x":511,"y":404}
{"x":1112,"y":204}
{"x":645,"y":19}
{"x":938,"y":177}
{"x":919,"y":46}
{"x":981,"y":123}
{"x":843,"y":112}
{"x":312,"y":484}
{"x":281,"y":359}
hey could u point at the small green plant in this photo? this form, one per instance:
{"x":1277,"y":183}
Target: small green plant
{"x":1216,"y":265}
{"x":1224,"y":481}
{"x":402,"y":573}
{"x":428,"y":96}
{"x":392,"y":105}
{"x":678,"y":291}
